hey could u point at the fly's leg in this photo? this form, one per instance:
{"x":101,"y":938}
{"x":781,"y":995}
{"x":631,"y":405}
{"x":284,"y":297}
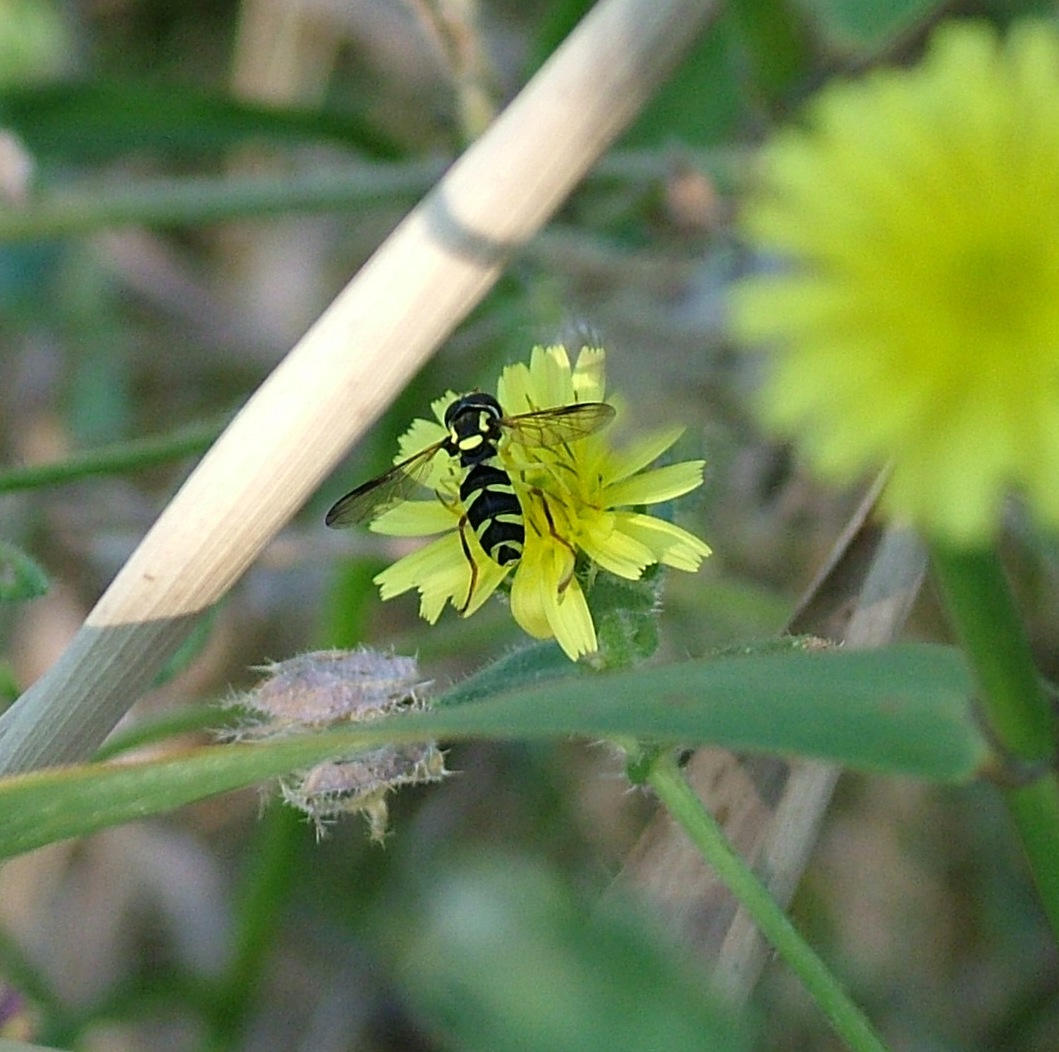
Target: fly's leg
{"x":469,"y":556}
{"x":467,"y":553}
{"x":565,"y":582}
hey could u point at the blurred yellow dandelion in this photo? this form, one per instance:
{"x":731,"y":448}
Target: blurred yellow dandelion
{"x":916,"y":320}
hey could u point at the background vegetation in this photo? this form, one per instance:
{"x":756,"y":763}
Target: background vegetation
{"x":188,"y":186}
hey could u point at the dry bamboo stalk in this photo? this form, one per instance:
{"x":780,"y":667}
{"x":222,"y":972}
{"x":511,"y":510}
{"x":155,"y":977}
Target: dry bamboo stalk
{"x":380,"y":329}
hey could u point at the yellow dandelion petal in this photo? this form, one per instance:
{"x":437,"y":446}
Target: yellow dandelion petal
{"x":420,"y":434}
{"x":547,"y":601}
{"x":653,"y":487}
{"x":667,"y":542}
{"x":513,"y":389}
{"x":415,"y":518}
{"x":543,"y":570}
{"x":643,"y":451}
{"x":528,"y":600}
{"x":488,"y":578}
{"x":442,"y":574}
{"x":551,"y":379}
{"x":439,"y":570}
{"x":917,"y":321}
{"x":589,"y":375}
{"x":616,"y":550}
{"x":571,"y":621}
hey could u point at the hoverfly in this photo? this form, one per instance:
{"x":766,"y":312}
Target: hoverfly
{"x":476,"y":424}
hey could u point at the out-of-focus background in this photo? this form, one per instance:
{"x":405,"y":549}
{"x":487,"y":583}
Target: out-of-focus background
{"x":916,"y":895}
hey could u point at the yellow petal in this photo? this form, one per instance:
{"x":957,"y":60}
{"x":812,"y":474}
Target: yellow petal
{"x":653,"y":487}
{"x":669,"y":544}
{"x":536,"y":578}
{"x":438,"y":568}
{"x":571,"y":622}
{"x":618,"y":551}
{"x":415,"y":518}
{"x":546,"y":599}
{"x":589,"y":378}
{"x":638,"y":454}
{"x":490,"y":574}
{"x":420,"y":434}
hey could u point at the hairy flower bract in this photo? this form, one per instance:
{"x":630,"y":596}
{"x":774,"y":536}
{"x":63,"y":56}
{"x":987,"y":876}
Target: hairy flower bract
{"x":915,"y":312}
{"x":577,"y":500}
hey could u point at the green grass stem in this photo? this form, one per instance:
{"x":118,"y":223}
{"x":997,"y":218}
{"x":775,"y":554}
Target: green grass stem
{"x":677,"y":796}
{"x":1013,"y":705}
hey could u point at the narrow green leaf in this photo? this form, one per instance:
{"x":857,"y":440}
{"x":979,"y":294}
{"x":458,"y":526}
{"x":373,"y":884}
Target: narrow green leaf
{"x":106,"y":118}
{"x":53,"y":804}
{"x":20,"y":576}
{"x":869,"y":25}
{"x":526,"y":667}
{"x":906,"y":710}
{"x":902,"y":710}
{"x":93,"y":204}
{"x":115,"y":458}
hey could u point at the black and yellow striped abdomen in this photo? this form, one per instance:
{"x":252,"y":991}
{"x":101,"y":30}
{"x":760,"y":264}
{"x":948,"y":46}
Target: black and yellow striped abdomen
{"x":492,"y":508}
{"x":494,"y":512}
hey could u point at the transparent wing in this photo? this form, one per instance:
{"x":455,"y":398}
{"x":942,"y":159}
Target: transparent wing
{"x":384,"y":492}
{"x":553,"y":427}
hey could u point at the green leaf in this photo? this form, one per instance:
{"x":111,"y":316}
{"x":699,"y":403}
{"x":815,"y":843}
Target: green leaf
{"x":45,"y":806}
{"x":703,"y":100}
{"x":868,"y":25}
{"x":20,"y":577}
{"x":502,"y":958}
{"x":558,"y":20}
{"x":115,"y":458}
{"x":107,"y":118}
{"x":772,"y":34}
{"x":526,"y":667}
{"x":903,"y":710}
{"x":906,"y":710}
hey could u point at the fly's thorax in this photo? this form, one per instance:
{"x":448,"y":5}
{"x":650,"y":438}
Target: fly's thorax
{"x":473,"y":425}
{"x":470,"y":405}
{"x":476,"y":413}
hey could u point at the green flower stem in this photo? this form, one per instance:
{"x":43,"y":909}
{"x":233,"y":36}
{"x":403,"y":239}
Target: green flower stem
{"x":115,"y":459}
{"x":988,"y":625}
{"x":677,"y":796}
{"x":1013,"y":704}
{"x":203,"y":199}
{"x":81,"y":209}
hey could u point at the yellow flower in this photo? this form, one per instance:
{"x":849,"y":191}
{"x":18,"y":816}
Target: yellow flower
{"x":916,"y":320}
{"x":575,"y":498}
